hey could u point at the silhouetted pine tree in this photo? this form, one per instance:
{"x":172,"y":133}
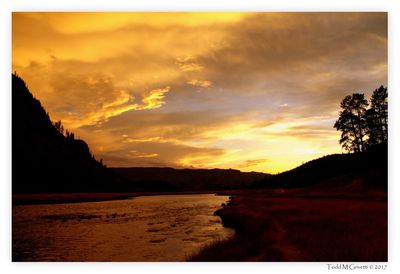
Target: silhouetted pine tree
{"x":377,"y":117}
{"x":361,"y":126}
{"x":352,"y":122}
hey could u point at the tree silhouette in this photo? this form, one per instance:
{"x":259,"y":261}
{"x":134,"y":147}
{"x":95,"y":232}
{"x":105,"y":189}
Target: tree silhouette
{"x":361,"y":126}
{"x":60,"y":128}
{"x":377,"y":117}
{"x":352,"y":122}
{"x":70,"y":135}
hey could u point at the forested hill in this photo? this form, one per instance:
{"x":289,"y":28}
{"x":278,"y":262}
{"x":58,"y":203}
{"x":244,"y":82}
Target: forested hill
{"x":368,"y":169}
{"x":170,"y":179}
{"x":43,"y":159}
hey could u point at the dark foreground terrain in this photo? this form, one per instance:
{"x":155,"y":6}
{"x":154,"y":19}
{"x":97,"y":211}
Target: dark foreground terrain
{"x":297,"y":226}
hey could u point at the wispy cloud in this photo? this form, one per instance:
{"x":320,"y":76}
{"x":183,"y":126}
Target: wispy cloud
{"x":200,"y":83}
{"x":251,"y":163}
{"x":188,"y":64}
{"x":154,"y":99}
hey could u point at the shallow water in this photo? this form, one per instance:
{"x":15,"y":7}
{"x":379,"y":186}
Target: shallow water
{"x":147,"y":228}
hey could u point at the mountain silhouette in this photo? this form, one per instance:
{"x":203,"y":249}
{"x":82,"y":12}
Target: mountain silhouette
{"x":46,"y":161}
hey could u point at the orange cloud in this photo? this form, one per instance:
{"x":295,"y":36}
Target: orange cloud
{"x":154,"y":99}
{"x":137,"y":154}
{"x":188,"y":64}
{"x":200,"y":83}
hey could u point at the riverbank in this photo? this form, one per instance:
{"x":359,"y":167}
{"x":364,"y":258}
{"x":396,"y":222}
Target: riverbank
{"x":299,"y":225}
{"x":62,"y":198}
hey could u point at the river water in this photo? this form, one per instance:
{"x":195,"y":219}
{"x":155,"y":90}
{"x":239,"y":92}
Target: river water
{"x":146,"y":228}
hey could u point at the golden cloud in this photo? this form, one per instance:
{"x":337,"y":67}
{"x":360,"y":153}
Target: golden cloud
{"x":154,"y":99}
{"x":188,"y":64}
{"x":137,"y":154}
{"x":77,"y":22}
{"x":140,"y":140}
{"x":200,"y":83}
{"x":122,"y":104}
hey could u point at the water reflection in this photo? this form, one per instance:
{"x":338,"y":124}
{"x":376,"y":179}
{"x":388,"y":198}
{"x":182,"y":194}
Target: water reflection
{"x":148,"y":228}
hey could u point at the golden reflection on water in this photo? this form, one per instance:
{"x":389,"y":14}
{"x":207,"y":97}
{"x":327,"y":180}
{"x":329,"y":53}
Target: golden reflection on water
{"x":147,"y":228}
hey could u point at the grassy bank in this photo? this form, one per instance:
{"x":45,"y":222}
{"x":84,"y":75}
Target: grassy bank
{"x":297,"y":225}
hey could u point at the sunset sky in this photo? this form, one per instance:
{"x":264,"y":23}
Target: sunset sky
{"x":248,"y":91}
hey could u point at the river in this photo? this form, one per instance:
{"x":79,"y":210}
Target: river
{"x":146,"y":228}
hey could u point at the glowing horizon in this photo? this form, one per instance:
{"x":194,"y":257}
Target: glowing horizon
{"x":248,"y":91}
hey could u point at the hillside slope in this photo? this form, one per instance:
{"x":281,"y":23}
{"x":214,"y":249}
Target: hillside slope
{"x":43,"y":159}
{"x":334,"y":171}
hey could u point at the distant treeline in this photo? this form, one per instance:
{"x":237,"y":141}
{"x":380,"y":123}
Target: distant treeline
{"x":170,"y":179}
